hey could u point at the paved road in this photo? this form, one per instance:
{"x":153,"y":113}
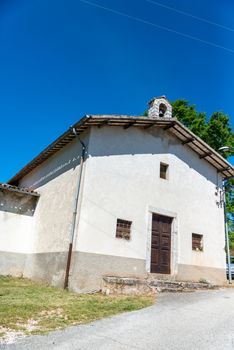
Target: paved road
{"x":200,"y":320}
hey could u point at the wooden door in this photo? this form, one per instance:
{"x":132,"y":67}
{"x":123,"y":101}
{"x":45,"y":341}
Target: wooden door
{"x":161,"y":244}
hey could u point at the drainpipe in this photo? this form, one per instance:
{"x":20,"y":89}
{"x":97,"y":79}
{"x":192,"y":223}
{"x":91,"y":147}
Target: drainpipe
{"x":226,"y":235}
{"x":74,"y":213}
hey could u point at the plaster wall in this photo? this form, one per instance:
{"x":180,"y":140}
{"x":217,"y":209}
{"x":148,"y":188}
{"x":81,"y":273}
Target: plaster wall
{"x":56,"y":181}
{"x":16,"y":232}
{"x":37,"y":246}
{"x":16,"y":221}
{"x":122,"y":181}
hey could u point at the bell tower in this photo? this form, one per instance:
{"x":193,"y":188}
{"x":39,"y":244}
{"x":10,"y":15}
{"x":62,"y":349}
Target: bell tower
{"x":160,"y":108}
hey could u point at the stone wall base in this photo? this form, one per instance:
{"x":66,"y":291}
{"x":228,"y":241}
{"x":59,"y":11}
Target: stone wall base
{"x":201,"y":273}
{"x":44,"y":267}
{"x":87,"y":270}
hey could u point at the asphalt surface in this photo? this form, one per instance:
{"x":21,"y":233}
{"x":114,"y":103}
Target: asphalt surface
{"x":199,"y":320}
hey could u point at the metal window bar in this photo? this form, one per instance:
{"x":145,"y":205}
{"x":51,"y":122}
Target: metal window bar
{"x":123,"y":229}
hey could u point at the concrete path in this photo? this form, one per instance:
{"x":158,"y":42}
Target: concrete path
{"x":200,"y":320}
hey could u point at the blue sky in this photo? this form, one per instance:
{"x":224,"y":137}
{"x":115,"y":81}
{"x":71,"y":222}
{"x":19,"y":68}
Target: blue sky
{"x":61,"y":59}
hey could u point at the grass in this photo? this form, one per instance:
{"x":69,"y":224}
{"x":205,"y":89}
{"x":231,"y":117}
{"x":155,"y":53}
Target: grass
{"x":27,"y":307}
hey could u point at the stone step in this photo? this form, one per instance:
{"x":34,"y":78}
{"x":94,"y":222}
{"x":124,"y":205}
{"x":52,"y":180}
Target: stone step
{"x":126,"y":285}
{"x":180,"y":284}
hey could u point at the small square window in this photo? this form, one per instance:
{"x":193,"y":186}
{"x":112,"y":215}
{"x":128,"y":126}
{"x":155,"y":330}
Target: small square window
{"x":197,"y":242}
{"x":123,"y":229}
{"x":164,"y":171}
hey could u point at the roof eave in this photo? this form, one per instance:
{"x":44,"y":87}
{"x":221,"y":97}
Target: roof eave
{"x":171,"y":124}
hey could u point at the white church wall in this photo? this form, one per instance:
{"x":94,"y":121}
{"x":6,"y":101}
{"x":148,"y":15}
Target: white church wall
{"x":122,"y":181}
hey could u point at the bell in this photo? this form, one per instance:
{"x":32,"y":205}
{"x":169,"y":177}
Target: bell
{"x":161,"y":113}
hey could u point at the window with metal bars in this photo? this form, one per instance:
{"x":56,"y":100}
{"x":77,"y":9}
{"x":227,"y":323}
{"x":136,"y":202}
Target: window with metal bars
{"x":197,"y":242}
{"x":123,"y":229}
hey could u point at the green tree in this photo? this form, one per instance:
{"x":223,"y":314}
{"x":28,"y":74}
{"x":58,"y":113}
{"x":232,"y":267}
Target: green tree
{"x":188,"y":115}
{"x":219,"y":133}
{"x":216,"y":131}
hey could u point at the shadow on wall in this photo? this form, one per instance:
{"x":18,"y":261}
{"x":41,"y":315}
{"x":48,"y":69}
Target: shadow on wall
{"x":137,"y":141}
{"x":115,"y":141}
{"x":64,"y":160}
{"x":17,"y":203}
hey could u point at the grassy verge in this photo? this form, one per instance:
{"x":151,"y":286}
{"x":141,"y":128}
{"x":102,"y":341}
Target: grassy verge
{"x":27,"y":307}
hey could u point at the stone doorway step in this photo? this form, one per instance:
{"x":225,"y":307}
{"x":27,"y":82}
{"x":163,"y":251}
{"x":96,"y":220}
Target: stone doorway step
{"x":126,"y":285}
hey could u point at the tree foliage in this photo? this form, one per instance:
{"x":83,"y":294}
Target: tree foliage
{"x":216,"y":130}
{"x":188,"y":115}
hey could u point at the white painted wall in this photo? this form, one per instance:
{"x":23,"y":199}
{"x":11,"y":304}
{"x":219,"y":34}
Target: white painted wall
{"x":122,"y":181}
{"x":55,"y":180}
{"x":16,"y":233}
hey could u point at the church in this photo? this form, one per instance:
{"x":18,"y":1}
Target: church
{"x":117,"y":195}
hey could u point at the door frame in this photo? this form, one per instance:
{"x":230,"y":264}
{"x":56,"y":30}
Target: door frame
{"x":174,"y":239}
